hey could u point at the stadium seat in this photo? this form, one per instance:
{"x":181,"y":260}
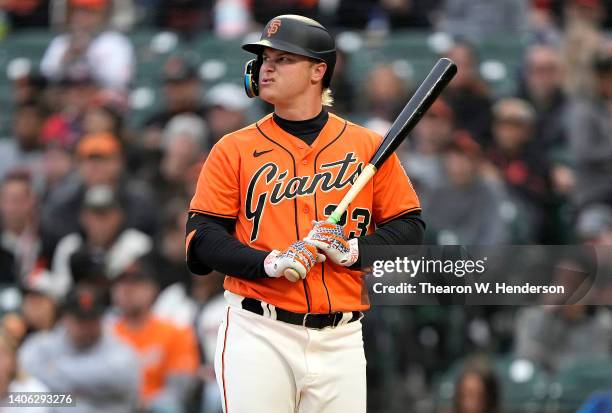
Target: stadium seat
{"x":574,"y":384}
{"x":28,"y":43}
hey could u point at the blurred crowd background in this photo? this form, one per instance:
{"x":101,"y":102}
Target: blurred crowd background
{"x":108,"y":109}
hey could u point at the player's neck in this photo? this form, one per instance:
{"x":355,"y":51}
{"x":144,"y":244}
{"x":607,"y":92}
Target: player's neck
{"x":306,"y":107}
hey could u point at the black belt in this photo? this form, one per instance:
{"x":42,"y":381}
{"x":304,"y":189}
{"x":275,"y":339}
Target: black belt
{"x":316,"y":321}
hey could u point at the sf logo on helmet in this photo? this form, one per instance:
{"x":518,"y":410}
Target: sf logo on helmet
{"x":273,"y":27}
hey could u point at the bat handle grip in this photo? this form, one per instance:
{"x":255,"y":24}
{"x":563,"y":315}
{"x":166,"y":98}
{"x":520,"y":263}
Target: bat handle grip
{"x":364,"y":177}
{"x":334,"y":218}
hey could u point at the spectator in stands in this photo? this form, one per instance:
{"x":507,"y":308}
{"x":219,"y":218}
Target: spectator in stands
{"x":543,"y":89}
{"x":477,"y":389}
{"x":105,"y":237}
{"x":104,"y":114}
{"x":581,"y":43}
{"x":556,"y":336}
{"x":594,"y":225}
{"x":343,"y":85}
{"x":385,"y":14}
{"x":589,"y":126}
{"x":26,"y":14}
{"x":469,"y":95}
{"x":265,"y":10}
{"x":187,"y":17}
{"x":386,"y":93}
{"x":185,"y":143}
{"x":29,"y":87}
{"x":450,"y":208}
{"x":413,"y":14}
{"x":168,"y":353}
{"x":189,"y":300}
{"x":182,"y":302}
{"x":80,"y":357}
{"x":122,"y":14}
{"x":88,"y":45}
{"x":39,"y":309}
{"x":171,"y":268}
{"x":232,"y":18}
{"x":77,"y":89}
{"x":100,"y":161}
{"x":477,"y":19}
{"x":200,"y":303}
{"x":227,"y":106}
{"x":13,"y":379}
{"x":348,"y":14}
{"x":58,"y":162}
{"x":544,"y":22}
{"x":21,"y":238}
{"x":594,"y":228}
{"x":423,"y":158}
{"x":182,"y":91}
{"x":209,"y":292}
{"x":24,"y":149}
{"x":69,"y":97}
{"x":182,"y":94}
{"x":170,"y":260}
{"x":523,"y":169}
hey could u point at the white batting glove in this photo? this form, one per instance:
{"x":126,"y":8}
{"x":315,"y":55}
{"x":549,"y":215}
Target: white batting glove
{"x":330,"y":240}
{"x":299,"y":256}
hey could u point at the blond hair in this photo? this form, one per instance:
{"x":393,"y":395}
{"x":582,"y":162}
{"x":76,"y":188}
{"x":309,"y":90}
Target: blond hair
{"x":326,"y":97}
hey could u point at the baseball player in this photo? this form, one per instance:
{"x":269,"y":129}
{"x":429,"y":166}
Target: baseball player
{"x":294,"y":344}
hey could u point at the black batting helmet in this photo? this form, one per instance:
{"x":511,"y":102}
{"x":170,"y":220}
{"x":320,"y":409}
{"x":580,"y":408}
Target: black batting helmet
{"x":294,"y":34}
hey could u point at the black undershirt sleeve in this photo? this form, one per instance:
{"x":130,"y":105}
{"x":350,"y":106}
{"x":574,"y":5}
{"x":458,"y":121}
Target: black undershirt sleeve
{"x":214,"y":247}
{"x":407,"y":229}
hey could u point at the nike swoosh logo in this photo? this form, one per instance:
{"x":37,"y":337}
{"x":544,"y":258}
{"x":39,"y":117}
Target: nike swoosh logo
{"x":258,"y":154}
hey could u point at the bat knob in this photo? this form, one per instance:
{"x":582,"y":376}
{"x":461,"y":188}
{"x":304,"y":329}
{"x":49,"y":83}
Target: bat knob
{"x":291,"y":274}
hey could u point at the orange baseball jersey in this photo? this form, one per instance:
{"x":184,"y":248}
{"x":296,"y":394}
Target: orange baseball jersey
{"x":163,"y":348}
{"x":275,"y":185}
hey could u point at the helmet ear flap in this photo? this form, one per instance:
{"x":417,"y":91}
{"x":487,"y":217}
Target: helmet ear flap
{"x":251,"y":77}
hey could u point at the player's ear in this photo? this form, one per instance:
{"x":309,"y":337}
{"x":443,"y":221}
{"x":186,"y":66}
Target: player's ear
{"x":318,"y":70}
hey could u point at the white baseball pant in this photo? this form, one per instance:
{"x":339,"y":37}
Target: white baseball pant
{"x":266,"y":365}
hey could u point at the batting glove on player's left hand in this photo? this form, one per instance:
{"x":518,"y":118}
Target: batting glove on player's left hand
{"x":330,"y":240}
{"x":300,"y":257}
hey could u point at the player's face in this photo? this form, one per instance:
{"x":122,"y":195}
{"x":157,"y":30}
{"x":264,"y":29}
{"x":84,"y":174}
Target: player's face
{"x":284,"y":76}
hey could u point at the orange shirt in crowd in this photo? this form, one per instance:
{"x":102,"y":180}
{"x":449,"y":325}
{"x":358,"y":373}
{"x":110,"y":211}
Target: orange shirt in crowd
{"x":164,"y":350}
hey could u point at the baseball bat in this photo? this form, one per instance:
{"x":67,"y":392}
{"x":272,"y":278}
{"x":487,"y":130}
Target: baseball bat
{"x":431,"y":87}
